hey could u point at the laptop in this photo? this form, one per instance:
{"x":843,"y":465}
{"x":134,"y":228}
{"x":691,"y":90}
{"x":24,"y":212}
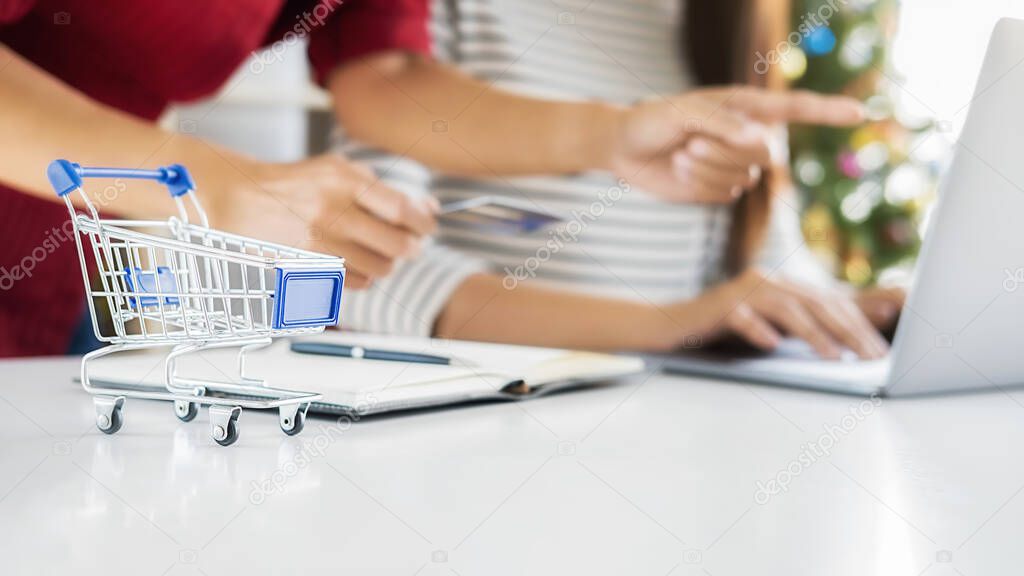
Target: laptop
{"x":963,"y":324}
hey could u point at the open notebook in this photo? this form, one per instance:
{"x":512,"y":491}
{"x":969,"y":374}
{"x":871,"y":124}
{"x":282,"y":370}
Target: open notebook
{"x":479,"y":372}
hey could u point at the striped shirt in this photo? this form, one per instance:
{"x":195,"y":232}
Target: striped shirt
{"x":617,"y":240}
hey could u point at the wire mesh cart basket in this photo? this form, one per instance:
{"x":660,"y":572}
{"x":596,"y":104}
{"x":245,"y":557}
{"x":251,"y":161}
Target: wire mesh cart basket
{"x":179,"y":284}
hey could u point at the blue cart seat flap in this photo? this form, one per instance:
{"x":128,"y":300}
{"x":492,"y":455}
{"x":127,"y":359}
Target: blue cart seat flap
{"x":310,"y":297}
{"x":151,"y":281}
{"x":63,"y":176}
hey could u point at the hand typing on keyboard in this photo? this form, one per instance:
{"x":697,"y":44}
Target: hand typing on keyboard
{"x":762,"y":310}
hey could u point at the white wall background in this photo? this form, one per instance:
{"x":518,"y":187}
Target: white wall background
{"x":939,"y":50}
{"x":263,"y":111}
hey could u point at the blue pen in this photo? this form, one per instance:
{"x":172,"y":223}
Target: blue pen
{"x":358,"y":352}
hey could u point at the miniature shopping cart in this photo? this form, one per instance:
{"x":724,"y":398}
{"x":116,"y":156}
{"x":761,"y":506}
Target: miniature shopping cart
{"x":181,"y":285}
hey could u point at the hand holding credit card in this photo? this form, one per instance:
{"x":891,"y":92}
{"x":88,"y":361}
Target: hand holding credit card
{"x":498,"y":214}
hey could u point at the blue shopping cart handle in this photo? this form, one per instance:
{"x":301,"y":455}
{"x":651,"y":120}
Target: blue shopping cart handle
{"x":67,"y":176}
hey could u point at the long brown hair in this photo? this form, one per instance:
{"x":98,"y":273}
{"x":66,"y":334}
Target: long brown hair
{"x":720,"y":40}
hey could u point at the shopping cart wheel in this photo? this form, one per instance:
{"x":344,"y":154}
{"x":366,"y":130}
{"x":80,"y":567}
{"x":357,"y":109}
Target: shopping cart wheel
{"x":293,"y":418}
{"x":109,"y":417}
{"x":186,"y":411}
{"x":224,"y":424}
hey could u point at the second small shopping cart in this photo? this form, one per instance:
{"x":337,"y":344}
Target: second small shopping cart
{"x":182,"y":285}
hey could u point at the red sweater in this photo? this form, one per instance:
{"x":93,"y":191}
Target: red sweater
{"x":138,"y":56}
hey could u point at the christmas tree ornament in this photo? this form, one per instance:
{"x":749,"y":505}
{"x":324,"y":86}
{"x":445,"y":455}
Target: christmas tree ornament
{"x":793,"y":64}
{"x":905,"y":183}
{"x":820,"y":41}
{"x":848,"y":165}
{"x":873,"y":157}
{"x":878,"y":107}
{"x":809,"y":169}
{"x":858,"y":51}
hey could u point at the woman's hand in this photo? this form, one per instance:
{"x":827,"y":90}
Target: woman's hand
{"x":707,"y":145}
{"x":881,"y":305}
{"x":761,"y":310}
{"x":706,"y":169}
{"x":331,"y":205}
{"x":687,"y":149}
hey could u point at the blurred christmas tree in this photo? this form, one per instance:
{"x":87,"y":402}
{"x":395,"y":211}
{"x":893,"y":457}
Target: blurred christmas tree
{"x":865,"y":191}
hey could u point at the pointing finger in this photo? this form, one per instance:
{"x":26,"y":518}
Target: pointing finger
{"x":798,"y":106}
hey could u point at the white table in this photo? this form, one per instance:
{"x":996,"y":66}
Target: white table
{"x":655,"y":476}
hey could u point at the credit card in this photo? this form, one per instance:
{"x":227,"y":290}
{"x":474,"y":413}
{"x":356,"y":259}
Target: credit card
{"x":498,"y":214}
